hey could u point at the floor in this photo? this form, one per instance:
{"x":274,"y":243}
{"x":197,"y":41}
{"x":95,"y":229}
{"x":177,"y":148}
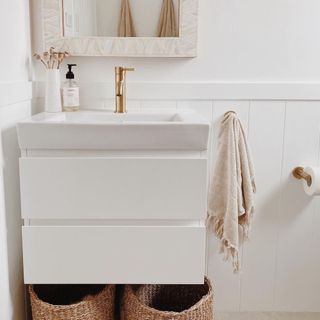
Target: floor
{"x":266,"y":316}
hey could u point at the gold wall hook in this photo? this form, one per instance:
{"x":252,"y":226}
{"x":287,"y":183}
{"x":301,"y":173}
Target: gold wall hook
{"x":299,"y":173}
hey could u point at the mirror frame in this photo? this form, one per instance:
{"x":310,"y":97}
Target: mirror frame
{"x":183,"y":46}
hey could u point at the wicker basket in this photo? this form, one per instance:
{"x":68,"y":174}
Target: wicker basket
{"x":95,"y":302}
{"x":164,"y":302}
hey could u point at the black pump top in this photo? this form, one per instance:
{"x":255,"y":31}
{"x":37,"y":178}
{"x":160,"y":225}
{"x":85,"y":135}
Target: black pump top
{"x":70,"y":74}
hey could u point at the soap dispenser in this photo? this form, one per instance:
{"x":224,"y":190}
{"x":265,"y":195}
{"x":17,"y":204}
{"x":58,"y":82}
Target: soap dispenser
{"x":70,"y":92}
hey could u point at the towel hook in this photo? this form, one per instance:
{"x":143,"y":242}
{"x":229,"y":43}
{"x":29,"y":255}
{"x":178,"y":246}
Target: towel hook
{"x":299,"y":173}
{"x":230,"y":111}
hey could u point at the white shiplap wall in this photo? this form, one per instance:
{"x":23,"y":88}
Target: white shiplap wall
{"x":281,"y":263}
{"x":15,"y":104}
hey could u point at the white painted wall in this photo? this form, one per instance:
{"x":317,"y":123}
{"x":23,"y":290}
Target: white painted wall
{"x":249,"y":40}
{"x":260,"y":58}
{"x":15,"y":103}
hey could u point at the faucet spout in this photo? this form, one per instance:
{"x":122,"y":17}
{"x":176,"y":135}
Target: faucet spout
{"x":120,"y":88}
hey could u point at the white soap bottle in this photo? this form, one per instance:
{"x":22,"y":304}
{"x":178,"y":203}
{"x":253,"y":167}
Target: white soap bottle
{"x":70,"y":92}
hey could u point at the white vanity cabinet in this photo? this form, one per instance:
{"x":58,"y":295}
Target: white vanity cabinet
{"x":113,"y":216}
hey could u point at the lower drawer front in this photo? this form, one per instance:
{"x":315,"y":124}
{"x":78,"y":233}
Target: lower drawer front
{"x":108,"y":254}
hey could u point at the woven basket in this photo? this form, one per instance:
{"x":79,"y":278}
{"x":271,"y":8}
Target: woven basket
{"x":93,"y":304}
{"x":164,"y":302}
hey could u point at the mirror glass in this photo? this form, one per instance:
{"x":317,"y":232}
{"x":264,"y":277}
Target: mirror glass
{"x":120,"y":18}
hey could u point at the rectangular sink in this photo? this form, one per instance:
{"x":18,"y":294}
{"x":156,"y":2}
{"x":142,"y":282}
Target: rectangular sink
{"x":103,"y":130}
{"x":103,"y":117}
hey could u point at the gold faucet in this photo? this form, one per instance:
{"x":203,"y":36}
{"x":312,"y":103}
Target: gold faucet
{"x":120,"y":84}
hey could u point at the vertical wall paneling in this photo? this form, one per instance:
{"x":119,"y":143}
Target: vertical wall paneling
{"x":170,"y":104}
{"x":266,"y":142}
{"x":297,"y":277}
{"x":203,"y":107}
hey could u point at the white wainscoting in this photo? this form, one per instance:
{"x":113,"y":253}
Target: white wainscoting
{"x":281,"y":263}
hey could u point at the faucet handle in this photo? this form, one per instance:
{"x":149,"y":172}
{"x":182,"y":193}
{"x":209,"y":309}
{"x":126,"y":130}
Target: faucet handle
{"x":123,"y":69}
{"x":128,"y":69}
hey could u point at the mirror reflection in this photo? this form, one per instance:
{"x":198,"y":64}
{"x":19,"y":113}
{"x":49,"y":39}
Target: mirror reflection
{"x":120,"y":18}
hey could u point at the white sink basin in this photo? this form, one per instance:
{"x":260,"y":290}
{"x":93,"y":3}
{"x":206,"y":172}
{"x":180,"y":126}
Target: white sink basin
{"x":96,"y":130}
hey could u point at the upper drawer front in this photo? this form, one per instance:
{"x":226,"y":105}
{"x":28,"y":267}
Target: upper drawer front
{"x":114,"y":254}
{"x":104,"y":188}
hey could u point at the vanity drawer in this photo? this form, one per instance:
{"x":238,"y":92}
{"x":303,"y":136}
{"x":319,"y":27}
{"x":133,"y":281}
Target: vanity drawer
{"x":109,"y":188}
{"x":108,"y":254}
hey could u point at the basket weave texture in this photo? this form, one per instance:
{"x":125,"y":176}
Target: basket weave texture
{"x":164,"y":302}
{"x":98,"y":306}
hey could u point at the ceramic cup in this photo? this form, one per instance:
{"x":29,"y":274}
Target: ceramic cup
{"x":53,"y":96}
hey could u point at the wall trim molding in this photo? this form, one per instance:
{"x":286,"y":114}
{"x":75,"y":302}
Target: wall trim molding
{"x":201,"y":90}
{"x":15,"y":92}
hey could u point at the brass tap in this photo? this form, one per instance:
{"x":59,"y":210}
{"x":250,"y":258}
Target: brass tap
{"x":120,"y":86}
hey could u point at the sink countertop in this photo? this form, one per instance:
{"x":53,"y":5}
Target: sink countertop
{"x":137,"y":130}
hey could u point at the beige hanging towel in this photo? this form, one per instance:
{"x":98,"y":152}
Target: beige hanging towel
{"x":231,"y":194}
{"x":126,"y":27}
{"x":167,"y":23}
